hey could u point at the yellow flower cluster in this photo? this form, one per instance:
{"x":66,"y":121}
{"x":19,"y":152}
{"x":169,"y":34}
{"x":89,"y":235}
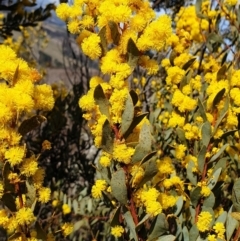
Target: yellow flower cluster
{"x":19,"y":94}
{"x":117,"y":231}
{"x":98,"y":187}
{"x":204,"y":221}
{"x":99,"y":24}
{"x":149,"y":198}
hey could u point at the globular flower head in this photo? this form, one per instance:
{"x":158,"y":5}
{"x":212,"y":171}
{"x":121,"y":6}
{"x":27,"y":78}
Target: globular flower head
{"x":117,"y":231}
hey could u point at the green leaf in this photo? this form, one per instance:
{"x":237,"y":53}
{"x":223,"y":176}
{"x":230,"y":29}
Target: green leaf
{"x":219,"y":153}
{"x":147,"y":157}
{"x":127,"y":115}
{"x":210,"y":210}
{"x":185,"y":234}
{"x":222,"y":218}
{"x":130,"y":223}
{"x":132,"y":48}
{"x":188,"y":64}
{"x":213,"y":180}
{"x":219,"y":122}
{"x":158,"y":227}
{"x":145,"y":143}
{"x":181,"y":135}
{"x":150,"y":170}
{"x":224,"y":58}
{"x":221,"y":163}
{"x":139,"y":154}
{"x":209,"y":201}
{"x":134,"y":96}
{"x":41,"y":234}
{"x":101,"y":100}
{"x":195,"y":195}
{"x":214,"y":38}
{"x":236,"y":195}
{"x":105,"y":173}
{"x":168,"y":133}
{"x":135,"y":122}
{"x":206,"y":133}
{"x":179,"y":205}
{"x":107,"y":201}
{"x":218,"y":98}
{"x":15,"y":76}
{"x":193,"y":233}
{"x":202,"y":110}
{"x":190,"y":175}
{"x":221,"y":74}
{"x":114,"y":32}
{"x":228,"y":133}
{"x":118,"y":186}
{"x":75,"y":206}
{"x":231,"y":225}
{"x":102,"y":35}
{"x":143,"y":220}
{"x":186,"y":78}
{"x":77,"y":225}
{"x":115,"y":217}
{"x":31,"y":194}
{"x":107,"y":137}
{"x":9,"y":201}
{"x":172,"y":56}
{"x":15,"y":236}
{"x":168,"y":237}
{"x":132,"y":54}
{"x":238,"y":15}
{"x":201,"y":158}
{"x":30,"y":124}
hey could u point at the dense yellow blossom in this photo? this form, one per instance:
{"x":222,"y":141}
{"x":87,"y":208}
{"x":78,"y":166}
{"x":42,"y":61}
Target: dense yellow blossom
{"x":87,"y":101}
{"x":180,"y":151}
{"x":3,"y":218}
{"x":67,"y":228}
{"x":211,"y":237}
{"x":155,"y":34}
{"x":29,"y":166}
{"x":74,"y":26}
{"x":100,"y":185}
{"x":117,"y":231}
{"x":165,"y":166}
{"x":90,"y":46}
{"x":66,"y":209}
{"x":231,"y":2}
{"x":25,"y":216}
{"x":205,"y":190}
{"x":183,"y":102}
{"x":167,"y":201}
{"x":43,"y":97}
{"x":174,"y":75}
{"x":117,"y":102}
{"x":63,"y":11}
{"x":153,"y":208}
{"x":123,"y":153}
{"x":219,"y":229}
{"x":137,"y":173}
{"x":38,"y":177}
{"x":105,"y":159}
{"x":17,"y":201}
{"x":204,"y":221}
{"x":15,"y":155}
{"x":44,"y":194}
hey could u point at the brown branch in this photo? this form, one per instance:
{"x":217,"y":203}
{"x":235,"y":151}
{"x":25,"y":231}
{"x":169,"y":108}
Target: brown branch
{"x":237,"y":235}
